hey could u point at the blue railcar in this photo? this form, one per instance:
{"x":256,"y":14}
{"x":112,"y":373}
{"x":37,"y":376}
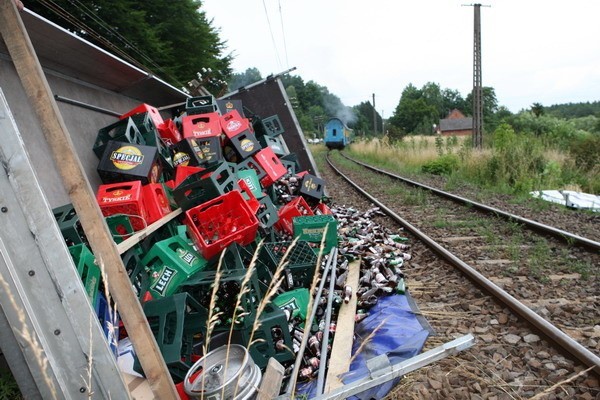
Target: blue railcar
{"x":337,"y":134}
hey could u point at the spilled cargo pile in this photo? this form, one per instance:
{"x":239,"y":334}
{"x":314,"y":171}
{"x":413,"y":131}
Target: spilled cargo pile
{"x":239,"y":230}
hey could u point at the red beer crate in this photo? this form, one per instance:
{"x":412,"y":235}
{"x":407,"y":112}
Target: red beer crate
{"x":233,"y":124}
{"x":155,"y":201}
{"x":123,"y":198}
{"x":216,"y":224}
{"x":322,"y":209}
{"x":183,"y":171}
{"x":169,"y":132}
{"x":201,"y":125}
{"x":143,"y":108}
{"x":271,"y":164}
{"x":295,"y":208}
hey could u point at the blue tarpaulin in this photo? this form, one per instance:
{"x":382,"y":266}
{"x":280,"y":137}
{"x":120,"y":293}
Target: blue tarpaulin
{"x":399,"y":334}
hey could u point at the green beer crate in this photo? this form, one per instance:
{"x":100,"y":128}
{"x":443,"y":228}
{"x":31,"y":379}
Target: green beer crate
{"x":301,"y":263}
{"x":88,"y":270}
{"x":311,"y":228}
{"x":170,"y":263}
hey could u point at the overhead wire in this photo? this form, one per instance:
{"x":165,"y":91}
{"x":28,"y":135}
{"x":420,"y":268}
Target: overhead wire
{"x":82,"y":27}
{"x":287,"y":63}
{"x":272,"y":36}
{"x":128,"y":44}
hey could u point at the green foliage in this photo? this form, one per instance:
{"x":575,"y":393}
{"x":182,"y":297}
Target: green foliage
{"x":586,"y":152}
{"x":9,"y":390}
{"x":314,"y":104}
{"x":574,"y":110}
{"x":419,"y":109}
{"x":245,"y":78}
{"x":443,"y":165}
{"x":517,"y":161}
{"x":490,"y":103}
{"x":555,"y":132}
{"x":439,"y":145}
{"x":174,"y":45}
{"x":364,"y":120}
{"x":537,"y":109}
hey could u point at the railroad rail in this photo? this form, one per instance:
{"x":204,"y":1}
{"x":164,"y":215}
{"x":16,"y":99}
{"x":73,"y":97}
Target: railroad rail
{"x":534,"y":225}
{"x":563,"y":340}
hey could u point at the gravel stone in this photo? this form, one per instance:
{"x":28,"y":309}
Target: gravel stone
{"x":531,"y":338}
{"x":512,"y":339}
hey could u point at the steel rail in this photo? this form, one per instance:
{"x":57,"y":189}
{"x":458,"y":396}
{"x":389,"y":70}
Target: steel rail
{"x":539,"y":227}
{"x":549,"y":330}
{"x":291,"y":386}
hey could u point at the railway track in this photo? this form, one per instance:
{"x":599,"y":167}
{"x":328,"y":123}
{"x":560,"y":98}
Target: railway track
{"x":544,"y":328}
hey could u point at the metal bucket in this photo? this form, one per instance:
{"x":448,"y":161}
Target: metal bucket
{"x":216,"y":382}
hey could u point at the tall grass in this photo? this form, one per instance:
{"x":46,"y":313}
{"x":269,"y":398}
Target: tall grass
{"x":511,"y":163}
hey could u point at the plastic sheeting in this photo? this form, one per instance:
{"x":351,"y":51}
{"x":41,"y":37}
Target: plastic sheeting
{"x":393,"y":328}
{"x":570,"y":199}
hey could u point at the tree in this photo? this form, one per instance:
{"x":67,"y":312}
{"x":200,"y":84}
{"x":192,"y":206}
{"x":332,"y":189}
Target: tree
{"x":452,"y":99}
{"x":432,"y":94}
{"x":174,"y":46}
{"x":413,"y":111}
{"x":537,"y":109}
{"x":245,"y":78}
{"x":364,"y":118}
{"x":490,"y":103}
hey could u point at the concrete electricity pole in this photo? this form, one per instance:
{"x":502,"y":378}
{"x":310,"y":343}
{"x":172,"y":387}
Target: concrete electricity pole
{"x":374,"y":117}
{"x":477,"y":85}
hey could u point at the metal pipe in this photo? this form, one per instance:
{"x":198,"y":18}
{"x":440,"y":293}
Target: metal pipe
{"x":559,"y":233}
{"x":559,"y":337}
{"x":325,"y":342}
{"x":294,"y":375}
{"x":87,"y":106}
{"x":384,"y":374}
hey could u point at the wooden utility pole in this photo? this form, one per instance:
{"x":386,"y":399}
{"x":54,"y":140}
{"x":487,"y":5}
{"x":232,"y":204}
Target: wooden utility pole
{"x":42,"y":101}
{"x":374,"y":117}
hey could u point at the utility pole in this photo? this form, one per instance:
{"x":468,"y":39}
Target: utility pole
{"x":374,"y":117}
{"x":477,"y":85}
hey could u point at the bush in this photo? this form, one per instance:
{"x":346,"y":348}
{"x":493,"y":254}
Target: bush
{"x":586,"y":151}
{"x":443,"y":165}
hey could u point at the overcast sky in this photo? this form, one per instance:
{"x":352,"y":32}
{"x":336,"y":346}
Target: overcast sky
{"x":542,"y":51}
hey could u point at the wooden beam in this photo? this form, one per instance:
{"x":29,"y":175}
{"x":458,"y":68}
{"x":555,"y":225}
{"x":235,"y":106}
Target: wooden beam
{"x":341,"y":350}
{"x":137,"y":237}
{"x":271,"y":381}
{"x":42,"y":101}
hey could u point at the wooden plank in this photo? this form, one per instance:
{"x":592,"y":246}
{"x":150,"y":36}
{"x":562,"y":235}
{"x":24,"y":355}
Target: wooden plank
{"x":341,"y":350}
{"x":137,"y":237}
{"x":51,"y":122}
{"x":271,"y":381}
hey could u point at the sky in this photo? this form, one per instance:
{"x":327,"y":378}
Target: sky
{"x":533,"y":51}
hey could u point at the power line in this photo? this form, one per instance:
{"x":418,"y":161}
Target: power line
{"x":84,"y":28}
{"x":272,"y":36}
{"x":283,"y":34}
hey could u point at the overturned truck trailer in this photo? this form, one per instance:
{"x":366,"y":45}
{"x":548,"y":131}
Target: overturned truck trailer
{"x":49,"y":334}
